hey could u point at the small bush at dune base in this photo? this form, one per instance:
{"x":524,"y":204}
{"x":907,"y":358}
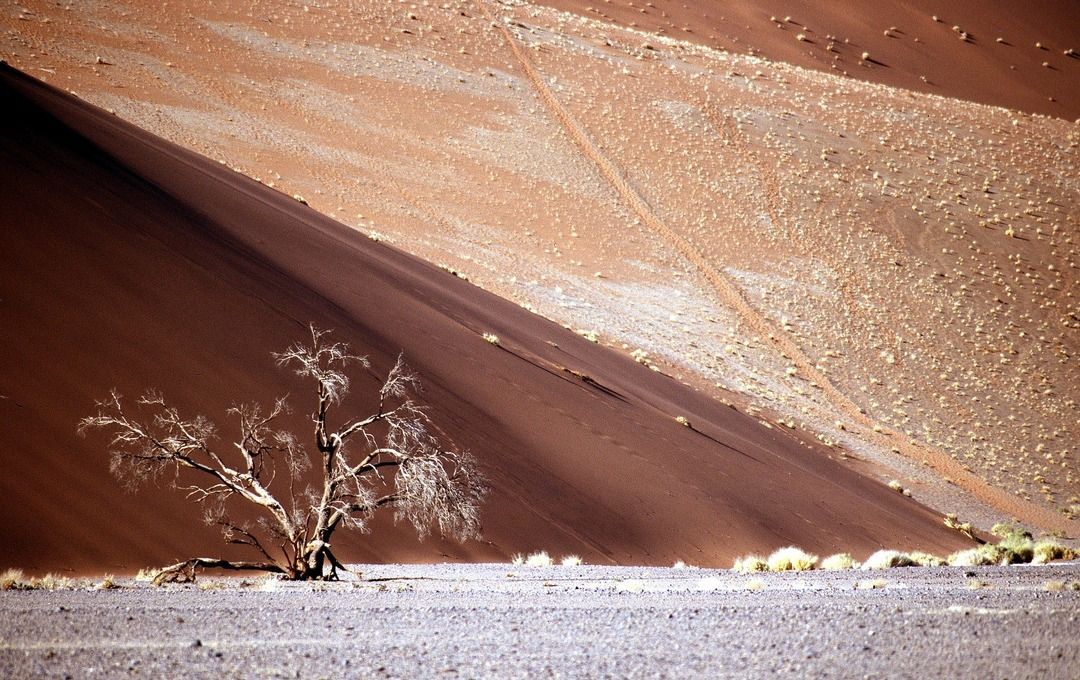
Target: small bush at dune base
{"x":50,"y":582}
{"x":539,"y":559}
{"x":107,"y":583}
{"x":925,"y":559}
{"x":12,"y":579}
{"x":887,"y":559}
{"x":571,"y":561}
{"x":791,"y":559}
{"x":839,"y":562}
{"x":1049,"y":550}
{"x":748,"y":564}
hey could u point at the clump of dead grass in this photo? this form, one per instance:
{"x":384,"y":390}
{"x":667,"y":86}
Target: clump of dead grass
{"x":888,"y":559}
{"x":108,"y":582}
{"x":839,"y":562}
{"x":13,"y":579}
{"x":539,"y":558}
{"x":748,"y":564}
{"x":791,"y":559}
{"x":1048,"y":550}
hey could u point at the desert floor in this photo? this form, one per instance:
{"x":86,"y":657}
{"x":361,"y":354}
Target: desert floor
{"x":499,"y":620}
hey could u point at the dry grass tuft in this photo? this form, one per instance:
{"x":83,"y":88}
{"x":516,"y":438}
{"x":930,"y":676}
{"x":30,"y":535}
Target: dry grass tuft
{"x":269,"y":583}
{"x":147,"y":574}
{"x":571,"y":561}
{"x":539,"y":559}
{"x":12,"y":579}
{"x":792,"y":559}
{"x":923,"y":559}
{"x":50,"y":582}
{"x":887,"y":559}
{"x":108,"y":582}
{"x":1048,"y":550}
{"x":963,"y":527}
{"x":749,"y":564}
{"x":839,"y":562}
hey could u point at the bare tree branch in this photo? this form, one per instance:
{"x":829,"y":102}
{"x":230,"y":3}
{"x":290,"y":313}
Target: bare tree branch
{"x":392,"y":461}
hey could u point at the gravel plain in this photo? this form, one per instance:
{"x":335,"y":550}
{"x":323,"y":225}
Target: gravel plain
{"x":409,"y":621}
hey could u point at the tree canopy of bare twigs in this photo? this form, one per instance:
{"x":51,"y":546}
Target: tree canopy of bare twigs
{"x":387,"y":459}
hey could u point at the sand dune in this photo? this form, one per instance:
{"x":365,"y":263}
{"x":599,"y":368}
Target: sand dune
{"x":1021,"y":56}
{"x":888,"y":271}
{"x":891,"y":272}
{"x":130,"y":262}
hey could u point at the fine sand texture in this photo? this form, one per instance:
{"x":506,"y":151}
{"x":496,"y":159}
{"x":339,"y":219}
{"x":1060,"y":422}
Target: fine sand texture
{"x":882,"y":264}
{"x":497,"y":621}
{"x":133,"y":263}
{"x":1023,"y":56}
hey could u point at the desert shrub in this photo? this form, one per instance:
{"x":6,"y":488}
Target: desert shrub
{"x":984,"y":555}
{"x":146,"y":574}
{"x":791,"y":559}
{"x":108,"y":582}
{"x":838,"y":562}
{"x":887,"y":559}
{"x":965,"y":558}
{"x":1048,"y":550}
{"x":12,"y":579}
{"x":50,"y":582}
{"x":571,"y":561}
{"x":539,"y":559}
{"x":748,"y":564}
{"x":965,"y":528}
{"x":923,"y":559}
{"x":1017,"y":547}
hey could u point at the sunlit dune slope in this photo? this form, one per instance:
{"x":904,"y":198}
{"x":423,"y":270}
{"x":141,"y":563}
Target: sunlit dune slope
{"x":1020,"y":55}
{"x":130,"y":263}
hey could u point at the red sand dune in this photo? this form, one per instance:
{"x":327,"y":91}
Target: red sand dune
{"x":1034,"y":67}
{"x":130,"y":262}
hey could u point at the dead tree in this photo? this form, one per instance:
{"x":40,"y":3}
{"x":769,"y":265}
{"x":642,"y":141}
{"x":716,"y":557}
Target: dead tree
{"x":388,"y":459}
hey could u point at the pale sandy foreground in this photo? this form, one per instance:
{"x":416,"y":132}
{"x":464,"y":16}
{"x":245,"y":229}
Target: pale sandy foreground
{"x":511,"y":621}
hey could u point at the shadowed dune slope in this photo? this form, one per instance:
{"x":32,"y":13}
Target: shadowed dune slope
{"x":130,"y":262}
{"x":1020,"y":55}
